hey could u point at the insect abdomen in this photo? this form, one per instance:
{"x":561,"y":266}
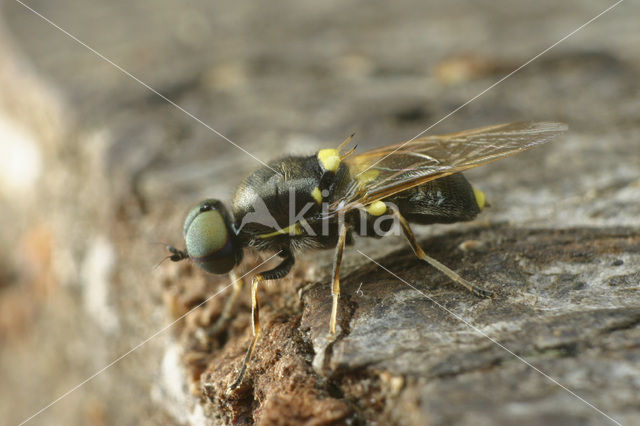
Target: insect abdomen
{"x":445,"y":200}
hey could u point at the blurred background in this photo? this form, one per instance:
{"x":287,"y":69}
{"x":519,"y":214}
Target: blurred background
{"x":95,"y":168}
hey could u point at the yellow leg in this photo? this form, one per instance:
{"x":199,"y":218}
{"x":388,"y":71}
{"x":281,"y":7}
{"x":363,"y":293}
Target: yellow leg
{"x":478,"y":291}
{"x":255,"y":327}
{"x":278,"y":272}
{"x":335,"y":289}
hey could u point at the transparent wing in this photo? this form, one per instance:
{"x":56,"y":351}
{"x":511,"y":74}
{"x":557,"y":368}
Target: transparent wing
{"x":386,"y":171}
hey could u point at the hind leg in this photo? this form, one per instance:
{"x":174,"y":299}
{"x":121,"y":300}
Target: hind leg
{"x":408,"y":233}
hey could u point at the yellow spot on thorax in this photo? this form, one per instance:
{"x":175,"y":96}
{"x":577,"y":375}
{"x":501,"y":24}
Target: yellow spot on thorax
{"x":294,"y":229}
{"x":481,"y":201}
{"x":329,"y":159}
{"x":367,"y":176}
{"x":377,"y":208}
{"x":317,"y":195}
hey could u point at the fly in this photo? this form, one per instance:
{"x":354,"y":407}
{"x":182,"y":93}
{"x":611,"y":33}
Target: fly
{"x":321,"y":201}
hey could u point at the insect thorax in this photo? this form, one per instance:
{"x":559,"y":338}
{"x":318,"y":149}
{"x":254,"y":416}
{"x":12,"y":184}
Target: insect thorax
{"x":280,"y":205}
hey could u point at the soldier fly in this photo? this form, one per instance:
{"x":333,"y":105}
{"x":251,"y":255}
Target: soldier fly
{"x":321,"y":201}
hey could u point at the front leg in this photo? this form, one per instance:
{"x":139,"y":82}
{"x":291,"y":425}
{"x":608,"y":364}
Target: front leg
{"x":274,"y":274}
{"x":335,"y":289}
{"x":223,"y":320}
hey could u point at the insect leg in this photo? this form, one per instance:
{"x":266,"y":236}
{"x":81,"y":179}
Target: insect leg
{"x":225,"y":316}
{"x":276,"y":273}
{"x":478,"y":291}
{"x":335,"y":289}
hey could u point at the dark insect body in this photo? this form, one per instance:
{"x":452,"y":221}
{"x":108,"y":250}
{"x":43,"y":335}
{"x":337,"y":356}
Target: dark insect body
{"x":320,"y":201}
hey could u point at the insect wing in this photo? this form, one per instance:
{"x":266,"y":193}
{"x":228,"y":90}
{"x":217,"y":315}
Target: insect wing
{"x":385,"y":171}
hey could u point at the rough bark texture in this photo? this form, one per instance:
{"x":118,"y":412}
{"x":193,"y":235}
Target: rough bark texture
{"x":119,"y":166}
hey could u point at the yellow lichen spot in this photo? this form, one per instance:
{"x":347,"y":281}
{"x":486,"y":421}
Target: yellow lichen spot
{"x":317,"y":195}
{"x":480,"y":198}
{"x":377,"y":208}
{"x":330,"y":159}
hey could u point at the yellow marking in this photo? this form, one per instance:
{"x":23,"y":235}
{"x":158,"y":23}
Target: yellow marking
{"x":317,"y":195}
{"x":377,"y":208}
{"x":367,"y":176}
{"x":480,"y":198}
{"x":294,"y":229}
{"x":330,"y":159}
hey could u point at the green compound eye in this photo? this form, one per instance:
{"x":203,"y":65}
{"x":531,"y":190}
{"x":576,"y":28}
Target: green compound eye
{"x":210,"y":242}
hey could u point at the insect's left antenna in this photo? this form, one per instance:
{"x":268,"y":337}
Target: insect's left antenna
{"x":176,"y":254}
{"x":161,"y":262}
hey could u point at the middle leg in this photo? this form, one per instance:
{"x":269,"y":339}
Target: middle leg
{"x":335,"y":288}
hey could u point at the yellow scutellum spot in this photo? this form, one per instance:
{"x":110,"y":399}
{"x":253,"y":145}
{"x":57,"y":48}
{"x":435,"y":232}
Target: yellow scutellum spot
{"x":480,"y":198}
{"x":377,"y":208}
{"x":294,"y":229}
{"x":367,"y":176}
{"x":317,"y":195}
{"x":330,"y":159}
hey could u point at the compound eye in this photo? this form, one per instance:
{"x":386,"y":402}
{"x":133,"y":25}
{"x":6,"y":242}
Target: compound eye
{"x":208,"y":239}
